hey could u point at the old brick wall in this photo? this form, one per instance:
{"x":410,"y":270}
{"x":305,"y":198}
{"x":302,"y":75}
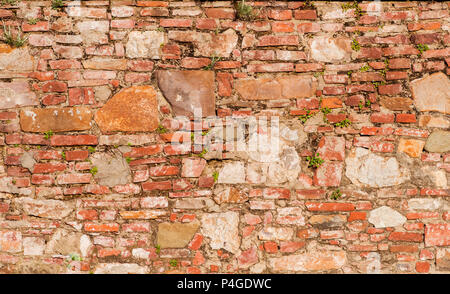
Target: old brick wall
{"x":92,"y":181}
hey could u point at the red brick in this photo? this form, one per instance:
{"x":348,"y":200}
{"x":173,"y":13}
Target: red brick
{"x":226,"y":13}
{"x":72,"y":140}
{"x":305,"y":14}
{"x":405,"y":237}
{"x":175,"y":23}
{"x":327,"y":206}
{"x":384,"y":118}
{"x":406,"y":118}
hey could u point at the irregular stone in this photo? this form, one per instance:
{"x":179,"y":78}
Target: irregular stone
{"x":432,"y":93}
{"x":411,"y":147}
{"x":65,"y":243}
{"x":332,"y":148}
{"x":33,"y":246}
{"x":275,"y":233}
{"x":330,"y":49}
{"x":396,"y":103}
{"x":328,"y":174}
{"x":229,"y":195}
{"x":311,"y":261}
{"x":16,"y":94}
{"x":40,"y":120}
{"x":27,"y":161}
{"x":188,"y":90}
{"x":290,"y":216}
{"x":434,"y":121}
{"x":438,"y":141}
{"x":53,"y":209}
{"x":16,"y":59}
{"x":10,"y":241}
{"x":437,"y":234}
{"x":436,"y":176}
{"x":232,"y":173}
{"x":102,"y":93}
{"x":424,"y":204}
{"x":105,"y":63}
{"x":282,"y":87}
{"x":443,"y":258}
{"x":208,"y":44}
{"x":112,"y":170}
{"x":145,"y":44}
{"x":195,"y":203}
{"x":134,"y":109}
{"x":222,"y":229}
{"x":248,"y":258}
{"x":366,"y":168}
{"x":120,"y":268}
{"x":327,"y":221}
{"x":385,"y":217}
{"x":192,"y":167}
{"x":176,"y":235}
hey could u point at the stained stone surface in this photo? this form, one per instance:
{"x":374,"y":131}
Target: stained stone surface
{"x":134,"y":109}
{"x":366,"y":168}
{"x":384,"y":217}
{"x":52,"y":209}
{"x":56,"y":119}
{"x":432,"y":93}
{"x":16,"y":94}
{"x":438,"y":141}
{"x":222,"y":229}
{"x":176,"y":235}
{"x":188,"y":90}
{"x":145,"y":44}
{"x":327,"y":49}
{"x":310,"y":261}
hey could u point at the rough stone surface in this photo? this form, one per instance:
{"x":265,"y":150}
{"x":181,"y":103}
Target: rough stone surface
{"x":229,"y":195}
{"x":112,"y":169}
{"x":222,"y":229}
{"x":208,"y":44}
{"x":52,"y":209}
{"x":385,"y":217}
{"x":176,"y":235}
{"x":16,"y":94}
{"x":188,"y":90}
{"x":283,"y":87}
{"x":232,"y":173}
{"x":432,"y":93}
{"x":16,"y":59}
{"x":366,"y":168}
{"x":411,"y":147}
{"x":192,"y":167}
{"x":425,"y":204}
{"x":438,"y":141}
{"x":443,"y":258}
{"x":65,"y":243}
{"x":437,"y":234}
{"x":120,"y":268}
{"x":328,"y":49}
{"x":312,"y":261}
{"x":56,"y":119}
{"x":134,"y":109}
{"x":145,"y":44}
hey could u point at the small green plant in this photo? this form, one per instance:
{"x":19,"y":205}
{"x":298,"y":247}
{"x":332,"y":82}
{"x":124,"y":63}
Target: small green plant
{"x":325,"y":111}
{"x":63,"y":155}
{"x":364,"y":68}
{"x":201,"y":154}
{"x":304,"y":117}
{"x":91,"y":149}
{"x":336,"y":194}
{"x":314,"y":161}
{"x":160,"y":29}
{"x":377,"y":84}
{"x":13,"y":182}
{"x":308,"y":5}
{"x":32,"y":21}
{"x":343,"y":123}
{"x":386,"y":63}
{"x":173,"y":263}
{"x":204,"y":133}
{"x":158,"y":249}
{"x":75,"y":257}
{"x":355,"y":45}
{"x":57,"y":4}
{"x":215,"y":176}
{"x":48,"y":134}
{"x":93,"y":170}
{"x":422,"y":48}
{"x":349,"y":74}
{"x":9,"y":2}
{"x":161,"y":130}
{"x":244,"y":11}
{"x":354,"y":5}
{"x":368,"y":103}
{"x":128,"y":159}
{"x":214,"y":60}
{"x":13,"y":41}
{"x":38,"y":147}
